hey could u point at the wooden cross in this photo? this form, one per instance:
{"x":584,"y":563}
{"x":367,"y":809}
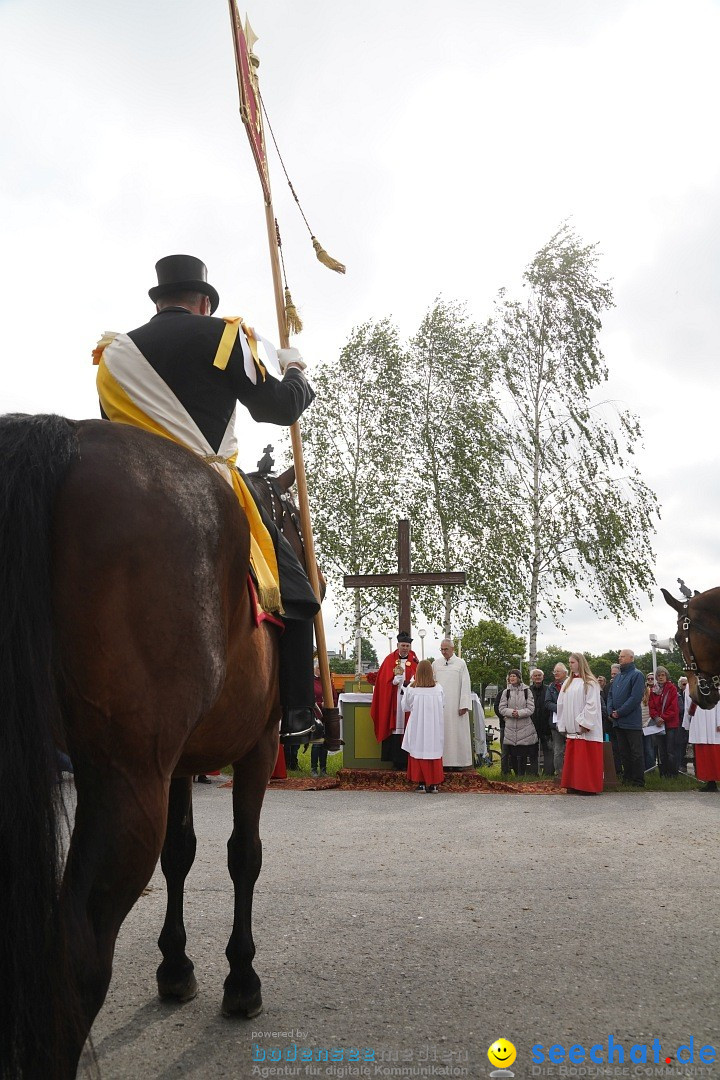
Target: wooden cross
{"x":404,"y":579}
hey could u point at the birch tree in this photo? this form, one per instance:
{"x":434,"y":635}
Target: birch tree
{"x":353,"y":444}
{"x":452,"y":435}
{"x":578,"y":515}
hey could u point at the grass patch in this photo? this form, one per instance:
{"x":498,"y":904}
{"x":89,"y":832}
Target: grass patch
{"x":334,"y":763}
{"x":653,"y":780}
{"x":493,"y":772}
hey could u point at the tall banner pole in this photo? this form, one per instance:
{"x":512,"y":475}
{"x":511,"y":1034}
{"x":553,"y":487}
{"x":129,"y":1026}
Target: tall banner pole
{"x":250,"y":108}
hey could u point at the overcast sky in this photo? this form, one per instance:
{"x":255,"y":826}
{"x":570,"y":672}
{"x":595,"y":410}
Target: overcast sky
{"x":435,"y":148}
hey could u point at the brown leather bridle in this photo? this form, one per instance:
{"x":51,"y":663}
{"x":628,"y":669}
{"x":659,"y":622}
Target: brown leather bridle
{"x":705,"y":682}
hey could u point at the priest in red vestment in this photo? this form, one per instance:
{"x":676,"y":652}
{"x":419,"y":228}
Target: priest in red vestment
{"x":387,"y":711}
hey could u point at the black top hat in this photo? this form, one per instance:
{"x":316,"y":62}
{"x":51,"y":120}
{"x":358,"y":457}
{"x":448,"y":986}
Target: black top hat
{"x":177,"y":273}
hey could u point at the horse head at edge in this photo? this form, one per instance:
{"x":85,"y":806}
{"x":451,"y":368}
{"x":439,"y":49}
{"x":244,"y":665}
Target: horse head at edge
{"x":698,"y":638}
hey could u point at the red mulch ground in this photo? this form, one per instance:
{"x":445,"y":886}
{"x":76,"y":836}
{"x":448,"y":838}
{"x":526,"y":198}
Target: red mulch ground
{"x":388,"y":780}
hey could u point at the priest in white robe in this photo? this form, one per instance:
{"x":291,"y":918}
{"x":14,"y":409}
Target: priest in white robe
{"x":451,"y":672}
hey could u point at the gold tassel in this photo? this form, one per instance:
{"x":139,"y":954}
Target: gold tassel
{"x":325,"y":259}
{"x":292,"y":318}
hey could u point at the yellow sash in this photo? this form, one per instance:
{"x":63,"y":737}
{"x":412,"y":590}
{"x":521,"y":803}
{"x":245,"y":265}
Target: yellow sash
{"x":119,"y":407}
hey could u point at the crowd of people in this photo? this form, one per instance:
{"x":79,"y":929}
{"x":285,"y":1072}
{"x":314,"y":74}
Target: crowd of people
{"x":560,"y":727}
{"x":568,"y":728}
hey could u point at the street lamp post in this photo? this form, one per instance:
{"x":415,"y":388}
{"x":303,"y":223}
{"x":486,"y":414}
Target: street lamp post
{"x":422,"y":634}
{"x":667,"y":645}
{"x":459,"y":641}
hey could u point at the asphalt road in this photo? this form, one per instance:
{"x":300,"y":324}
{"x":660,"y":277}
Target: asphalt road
{"x":417,"y":929}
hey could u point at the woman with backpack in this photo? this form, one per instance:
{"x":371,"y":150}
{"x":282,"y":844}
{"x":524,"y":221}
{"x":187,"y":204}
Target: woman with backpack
{"x":517,"y":706}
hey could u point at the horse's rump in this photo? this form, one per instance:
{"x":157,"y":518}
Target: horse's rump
{"x":151,"y":556}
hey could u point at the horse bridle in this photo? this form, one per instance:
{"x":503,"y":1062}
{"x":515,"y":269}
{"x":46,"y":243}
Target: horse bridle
{"x":285,"y":508}
{"x":705,"y":684}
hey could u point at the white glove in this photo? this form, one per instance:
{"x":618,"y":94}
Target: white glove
{"x":290,"y":358}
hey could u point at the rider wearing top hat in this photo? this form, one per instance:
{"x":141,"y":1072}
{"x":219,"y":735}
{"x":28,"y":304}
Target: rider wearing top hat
{"x":181,"y":375}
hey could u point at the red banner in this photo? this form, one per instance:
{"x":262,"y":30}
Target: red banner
{"x":250,"y":95}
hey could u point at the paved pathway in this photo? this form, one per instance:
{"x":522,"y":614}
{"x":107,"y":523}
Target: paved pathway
{"x":421,"y":928}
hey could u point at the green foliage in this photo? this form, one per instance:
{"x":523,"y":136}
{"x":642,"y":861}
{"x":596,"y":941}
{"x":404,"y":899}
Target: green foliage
{"x":352,"y":444}
{"x":490,"y":650}
{"x":367,"y":653}
{"x":549,"y":657}
{"x":600,"y":664}
{"x":672,"y":661}
{"x":494,"y":442}
{"x":341,"y":667}
{"x":452,"y":411}
{"x":580,"y":515}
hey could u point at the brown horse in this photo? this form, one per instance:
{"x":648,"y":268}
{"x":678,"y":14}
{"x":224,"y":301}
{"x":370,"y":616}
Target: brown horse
{"x":698,"y":637}
{"x":128,"y":639}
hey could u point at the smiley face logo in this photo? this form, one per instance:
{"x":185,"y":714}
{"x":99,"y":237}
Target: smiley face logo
{"x":502,"y":1053}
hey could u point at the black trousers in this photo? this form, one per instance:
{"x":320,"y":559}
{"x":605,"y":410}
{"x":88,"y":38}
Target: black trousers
{"x":632,"y":755}
{"x":391,"y":750}
{"x":669,"y":751}
{"x":318,"y":757}
{"x":683,"y":737}
{"x":545,"y":743}
{"x":518,"y":755}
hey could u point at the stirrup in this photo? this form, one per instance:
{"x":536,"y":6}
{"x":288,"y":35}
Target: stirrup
{"x":309,"y":737}
{"x":300,"y":725}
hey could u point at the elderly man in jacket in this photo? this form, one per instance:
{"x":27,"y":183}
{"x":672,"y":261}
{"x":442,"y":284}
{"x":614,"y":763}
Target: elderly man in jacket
{"x":624,"y":705}
{"x":541,"y":722}
{"x":521,"y":742}
{"x":560,"y":674}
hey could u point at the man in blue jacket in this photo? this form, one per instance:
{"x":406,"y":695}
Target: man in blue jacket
{"x":624,"y":709}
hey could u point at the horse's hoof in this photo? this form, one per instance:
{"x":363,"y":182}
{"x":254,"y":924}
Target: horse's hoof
{"x":237,"y":1005}
{"x":181,"y":990}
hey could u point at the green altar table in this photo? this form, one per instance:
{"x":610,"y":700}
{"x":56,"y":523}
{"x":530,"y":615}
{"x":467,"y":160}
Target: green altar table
{"x":361,"y":749}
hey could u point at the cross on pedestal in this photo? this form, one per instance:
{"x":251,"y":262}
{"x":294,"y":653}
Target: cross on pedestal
{"x":404,"y":579}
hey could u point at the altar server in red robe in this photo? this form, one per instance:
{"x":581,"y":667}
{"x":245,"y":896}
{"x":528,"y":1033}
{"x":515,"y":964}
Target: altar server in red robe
{"x":704,"y":727}
{"x":388,"y":711}
{"x":579,"y":715}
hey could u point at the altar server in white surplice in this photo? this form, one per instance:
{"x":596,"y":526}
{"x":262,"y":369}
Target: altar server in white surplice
{"x":451,"y":672}
{"x":423,"y":740}
{"x":579,"y":715}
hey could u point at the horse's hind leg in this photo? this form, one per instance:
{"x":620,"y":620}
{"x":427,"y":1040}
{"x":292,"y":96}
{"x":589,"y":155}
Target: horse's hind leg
{"x":116,"y":840}
{"x":175,"y":976}
{"x":242,"y":986}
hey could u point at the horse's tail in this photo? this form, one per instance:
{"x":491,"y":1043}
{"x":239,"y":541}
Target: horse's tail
{"x":35,"y":452}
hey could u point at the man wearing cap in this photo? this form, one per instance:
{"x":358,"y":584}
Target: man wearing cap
{"x":180,"y":376}
{"x":387,"y":708}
